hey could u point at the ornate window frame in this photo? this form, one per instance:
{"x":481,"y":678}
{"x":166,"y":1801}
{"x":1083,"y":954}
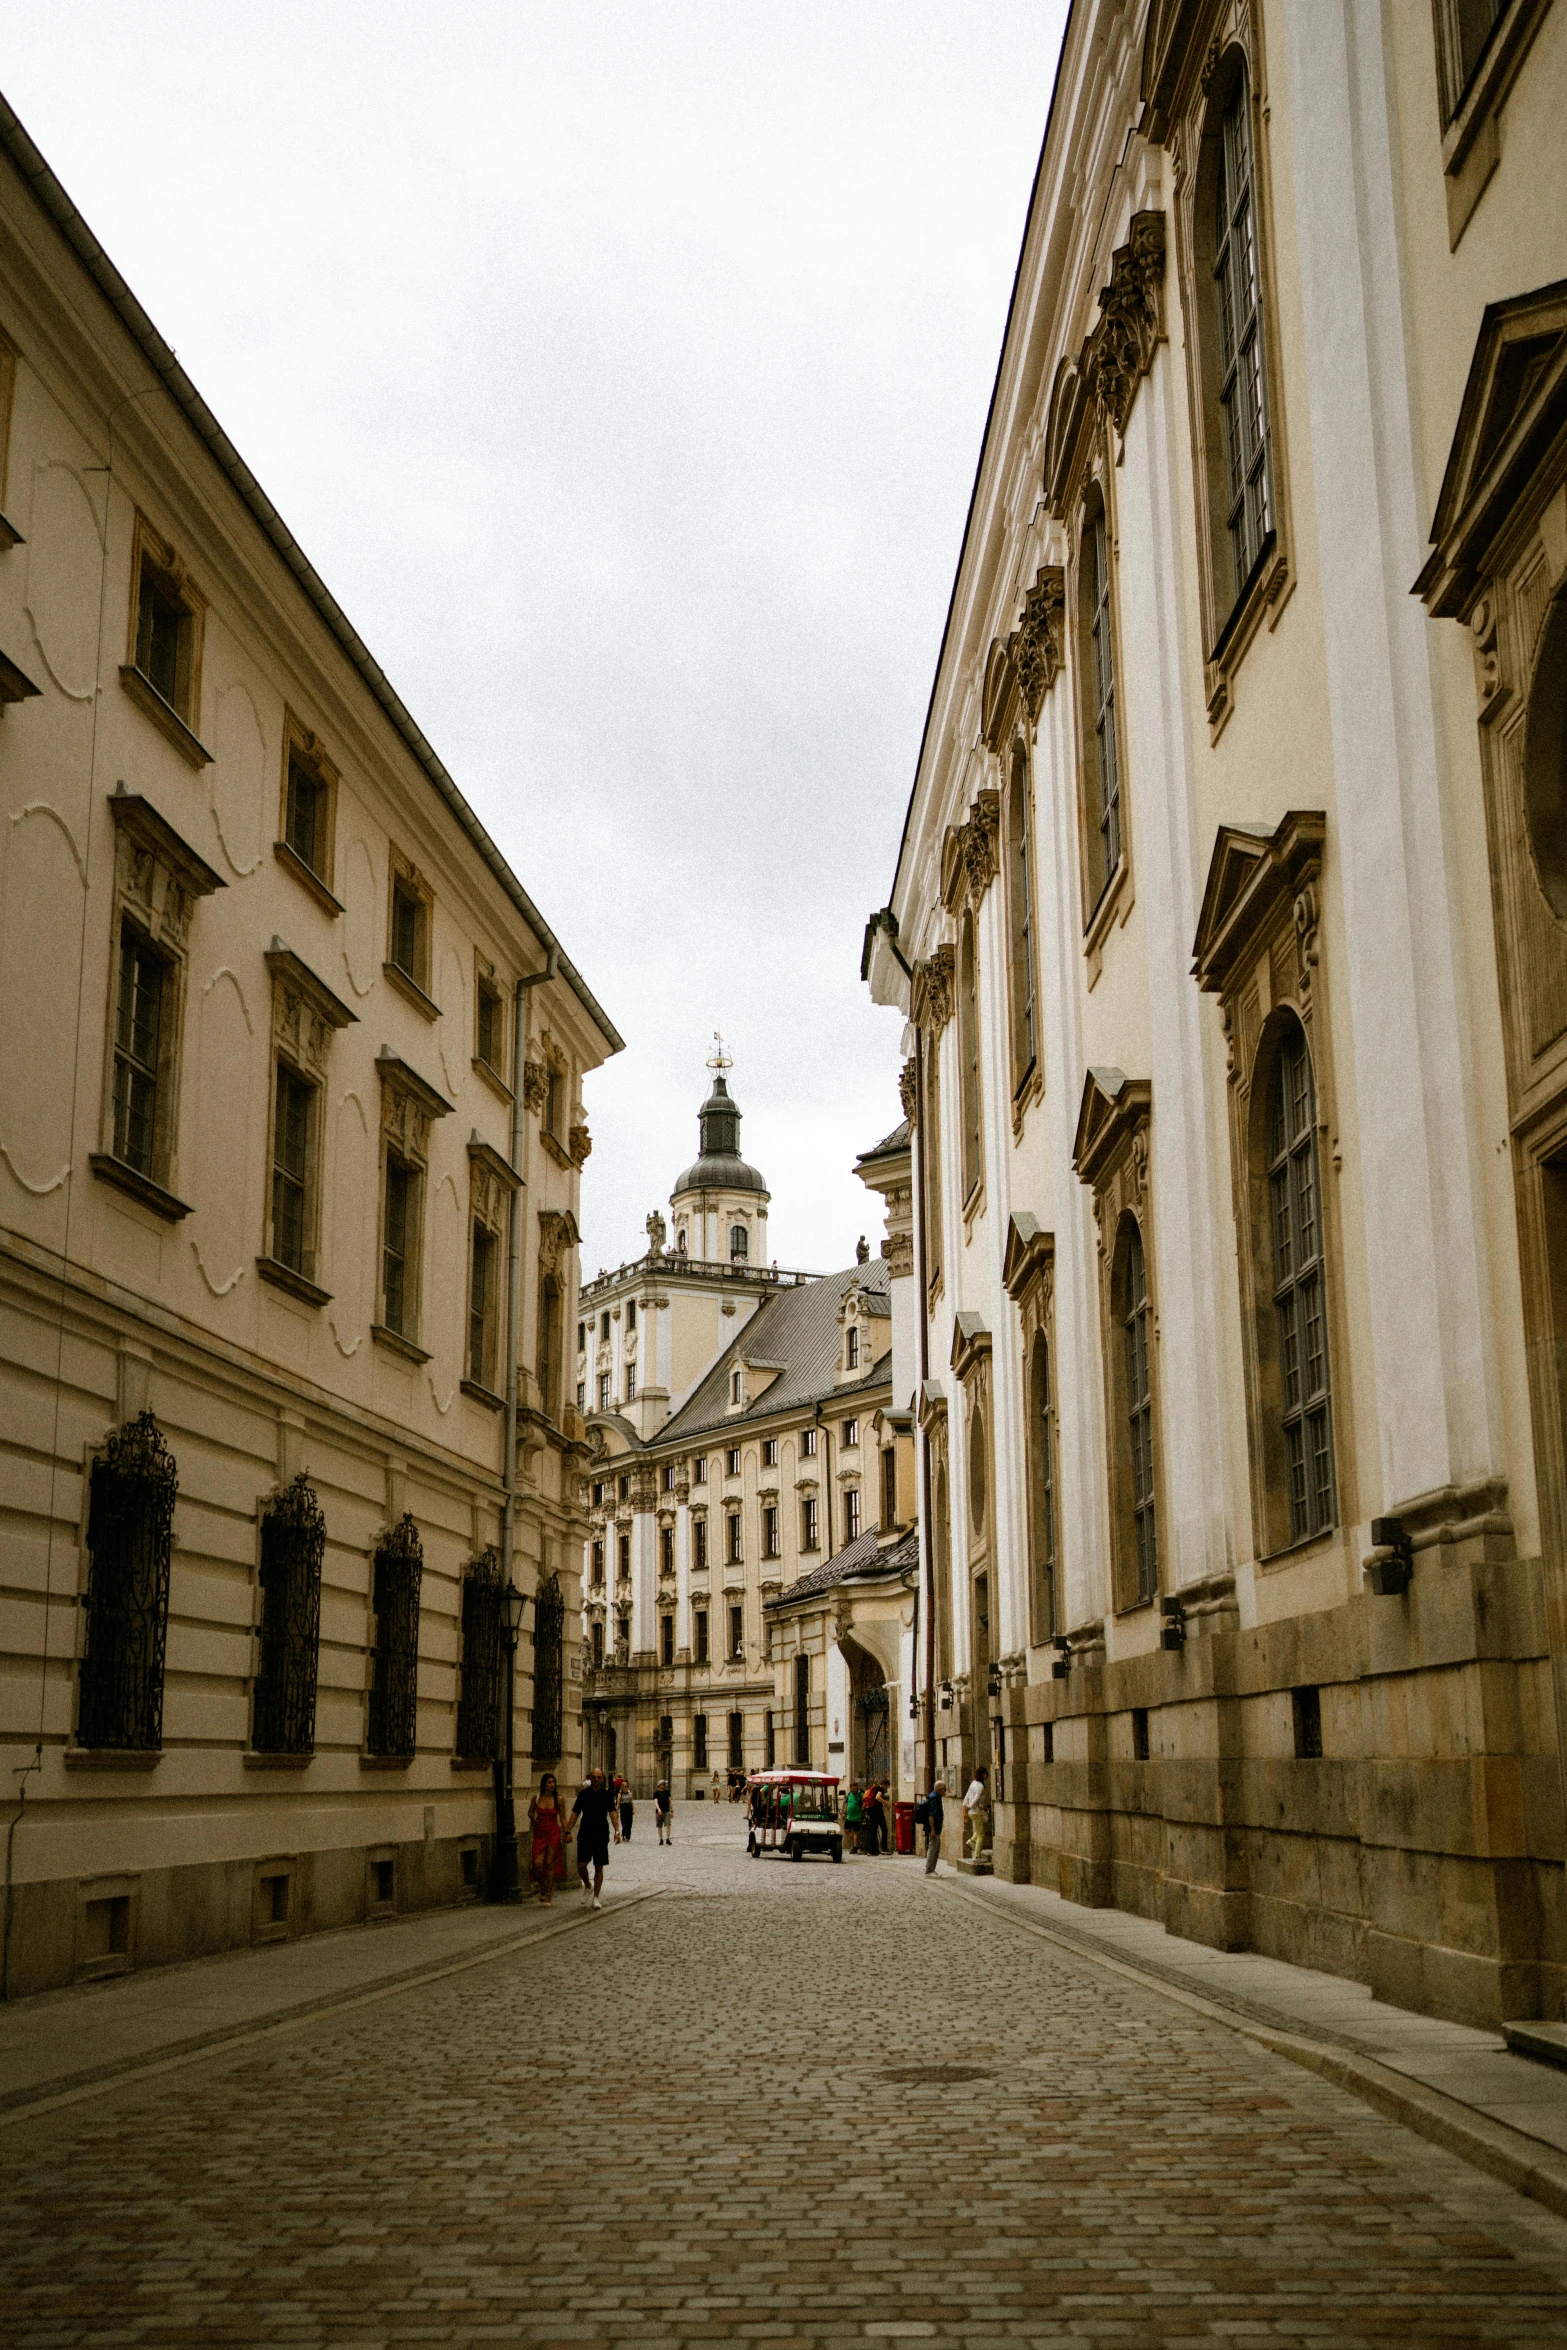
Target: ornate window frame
{"x":971,"y":1366}
{"x":305,"y":1015}
{"x":177,"y":716}
{"x":409,"y":1107}
{"x":931,"y":1006}
{"x":1028,"y":1273}
{"x":492,"y":1186}
{"x":1022,"y":668}
{"x":291,"y":1546}
{"x":558,"y":1236}
{"x":480,"y":1660}
{"x":1256,"y":949}
{"x":303,"y":749}
{"x":1111,"y":1156}
{"x":392,"y":1662}
{"x":404,"y":879}
{"x":969,"y":864}
{"x":157,"y":880}
{"x":487,"y":986}
{"x":1190,"y":58}
{"x":1471,"y":111}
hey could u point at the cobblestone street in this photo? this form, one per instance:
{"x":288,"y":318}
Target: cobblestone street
{"x":700,"y":2121}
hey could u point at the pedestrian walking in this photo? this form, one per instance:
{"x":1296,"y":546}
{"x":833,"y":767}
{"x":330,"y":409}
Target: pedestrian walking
{"x":595,"y":1810}
{"x":930,"y":1814}
{"x":976,"y":1807}
{"x":546,"y":1839}
{"x":627,"y":1811}
{"x":718,"y":1786}
{"x":875,"y":1821}
{"x":663,"y":1812}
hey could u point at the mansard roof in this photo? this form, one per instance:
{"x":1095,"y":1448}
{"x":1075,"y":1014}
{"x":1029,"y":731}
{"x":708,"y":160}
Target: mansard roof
{"x":796,"y":1327}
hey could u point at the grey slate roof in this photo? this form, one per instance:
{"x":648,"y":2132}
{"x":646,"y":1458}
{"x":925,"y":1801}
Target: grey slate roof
{"x":862,"y":1560}
{"x":798,"y":1328}
{"x":889,"y":1146}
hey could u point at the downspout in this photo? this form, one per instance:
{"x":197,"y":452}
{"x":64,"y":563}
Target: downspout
{"x":922,"y":1304}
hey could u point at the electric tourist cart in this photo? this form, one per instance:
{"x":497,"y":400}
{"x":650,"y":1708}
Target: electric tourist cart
{"x":792,"y":1812}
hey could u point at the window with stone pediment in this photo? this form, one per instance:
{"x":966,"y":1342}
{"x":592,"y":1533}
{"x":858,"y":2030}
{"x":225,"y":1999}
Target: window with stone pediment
{"x":162,"y":668}
{"x":969,"y":1057}
{"x":1099,"y":730}
{"x":307,"y":813}
{"x":306,"y":1015}
{"x":1021,"y":926}
{"x":408,"y":1109}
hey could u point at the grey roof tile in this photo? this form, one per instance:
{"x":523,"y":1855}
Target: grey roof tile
{"x":798,"y":1328}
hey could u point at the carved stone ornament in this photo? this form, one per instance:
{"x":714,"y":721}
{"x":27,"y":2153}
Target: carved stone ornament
{"x":907,"y":1088}
{"x":580,"y":1146}
{"x":558,"y":1235}
{"x":1120,"y":350}
{"x":157,"y":872}
{"x":980,"y":836}
{"x":934,"y":976}
{"x":408,"y":1107}
{"x":898,"y":1254}
{"x":657,"y":1234}
{"x":1038,"y":640}
{"x":535,"y":1084}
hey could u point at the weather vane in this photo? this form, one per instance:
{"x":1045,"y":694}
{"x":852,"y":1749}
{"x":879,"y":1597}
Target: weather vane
{"x":718,"y":1059}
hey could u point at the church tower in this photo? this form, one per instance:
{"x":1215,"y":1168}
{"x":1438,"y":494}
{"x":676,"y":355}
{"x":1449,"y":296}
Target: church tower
{"x":719,"y":1204}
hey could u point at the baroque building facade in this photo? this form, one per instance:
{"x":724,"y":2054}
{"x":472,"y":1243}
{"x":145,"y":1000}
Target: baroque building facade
{"x":746,"y":1472}
{"x":290,"y":1148}
{"x":1228,"y":924}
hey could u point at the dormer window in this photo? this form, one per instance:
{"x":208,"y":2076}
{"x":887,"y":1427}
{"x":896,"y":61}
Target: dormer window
{"x":734,"y":1387}
{"x":851,"y":1349}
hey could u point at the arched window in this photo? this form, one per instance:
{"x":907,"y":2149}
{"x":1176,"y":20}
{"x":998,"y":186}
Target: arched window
{"x":1299,"y":1300}
{"x":930,"y":1156}
{"x":397,"y":1572}
{"x":1042,"y":1458}
{"x":968,"y":1049}
{"x":1138,"y":1539}
{"x":739,"y":1241}
{"x":1096,"y":663}
{"x":1020,"y":918}
{"x":1234,"y":351}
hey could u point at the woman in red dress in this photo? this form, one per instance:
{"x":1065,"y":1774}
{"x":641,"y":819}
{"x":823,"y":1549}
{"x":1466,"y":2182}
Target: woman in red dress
{"x":548,"y":1831}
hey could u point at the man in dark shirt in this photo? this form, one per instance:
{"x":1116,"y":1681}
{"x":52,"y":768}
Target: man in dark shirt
{"x":930,"y":1813}
{"x":595,"y":1813}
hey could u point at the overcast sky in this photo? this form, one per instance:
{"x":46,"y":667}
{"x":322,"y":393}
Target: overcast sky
{"x":622,"y":369}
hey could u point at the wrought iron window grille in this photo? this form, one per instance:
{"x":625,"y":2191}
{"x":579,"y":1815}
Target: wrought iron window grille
{"x":130,"y":1528}
{"x":549,"y":1670}
{"x":394,"y":1683}
{"x":483,"y":1635}
{"x":293,"y":1544}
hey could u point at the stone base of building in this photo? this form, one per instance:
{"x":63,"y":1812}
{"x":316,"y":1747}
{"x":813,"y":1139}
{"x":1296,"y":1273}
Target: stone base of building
{"x":76,"y":1930}
{"x":984,"y":1866}
{"x":1420,"y":1851}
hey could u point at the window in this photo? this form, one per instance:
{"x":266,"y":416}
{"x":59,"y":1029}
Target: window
{"x":631,"y":1315}
{"x":739,"y":1242}
{"x":735,"y":1553}
{"x":737,"y":1742}
{"x":769,"y":1741}
{"x":666,"y":1736}
{"x":139,"y":1052}
{"x":552,"y":1307}
{"x":930,"y":1157}
{"x":598,"y":1562}
{"x":1101,"y":759}
{"x":1139,"y":1733}
{"x":699,"y":1469}
{"x":808,"y":1443}
{"x":625,"y":1488}
{"x":604,"y":1385}
{"x":631,"y":1383}
{"x":1020,"y":921}
{"x":968,"y":1050}
{"x":482,"y":1284}
{"x":734,"y":1387}
{"x":889,"y":1488}
{"x":598,"y":1493}
{"x":549,"y":1671}
{"x":668,"y":1477}
{"x":666,"y":1550}
{"x":408,"y":927}
{"x":479,"y":1685}
{"x":769,"y":1452}
{"x":1042,"y":1447}
{"x":163,"y":672}
{"x":489,"y":1028}
{"x":624,"y":1558}
{"x":851,"y":1349}
{"x":802,"y":1713}
{"x":1242,"y":381}
{"x":732,"y":1461}
{"x":604,"y":1329}
{"x":399,"y":1244}
{"x":737,"y":1635}
{"x":770,"y":1531}
{"x":808,"y":1522}
{"x":598,"y":1645}
{"x":699,"y":1545}
{"x":582,"y":1337}
{"x":666,"y":1639}
{"x":304,"y":816}
{"x":851,"y":1513}
{"x":699,"y":1741}
{"x":1463,"y":34}
{"x":1295,"y":1194}
{"x":1139,"y":1411}
{"x":582,"y":1395}
{"x":130,"y":1528}
{"x":293,"y":1544}
{"x":699,"y":1634}
{"x":396,"y":1576}
{"x":851,"y":1432}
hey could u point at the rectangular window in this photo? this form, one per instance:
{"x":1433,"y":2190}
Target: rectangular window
{"x":631,"y":1383}
{"x":1106,"y":756}
{"x":1463,"y":34}
{"x":625,"y":1558}
{"x":598,"y":1562}
{"x":293,"y":1118}
{"x":737,"y":1742}
{"x":699,"y":1545}
{"x":666,"y":1550}
{"x":304,"y":819}
{"x":1139,"y":1733}
{"x":1306,"y":1706}
{"x":770,"y":1452}
{"x":481,"y":1305}
{"x":699,"y":1622}
{"x":699,"y":1741}
{"x":604,"y":1329}
{"x":603,"y":1391}
{"x":770,"y":1531}
{"x":802,"y":1713}
{"x":699,"y":1469}
{"x":889,"y":1489}
{"x":631,"y":1314}
{"x":160,"y":622}
{"x":582,"y":1337}
{"x":666,"y":1639}
{"x":769,"y":1741}
{"x":138,"y":1043}
{"x":737,"y":1635}
{"x":851,"y":1513}
{"x":399,"y":1230}
{"x":851,"y":1350}
{"x":669,"y":1477}
{"x":733,"y":1461}
{"x":598,"y":1493}
{"x":582,"y":1395}
{"x":808,"y":1443}
{"x":735,"y":1553}
{"x":851,"y":1432}
{"x":598,"y":1646}
{"x":1243,"y":399}
{"x":808,"y":1522}
{"x":734,"y":1390}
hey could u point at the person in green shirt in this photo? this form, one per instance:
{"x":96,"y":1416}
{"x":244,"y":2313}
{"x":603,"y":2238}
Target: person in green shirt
{"x":854,"y":1813}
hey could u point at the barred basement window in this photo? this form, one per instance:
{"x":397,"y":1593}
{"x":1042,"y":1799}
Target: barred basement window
{"x":549,"y":1670}
{"x":130,"y":1525}
{"x":293,"y":1544}
{"x":478,"y":1703}
{"x":1298,"y":1295}
{"x":394,"y":1682}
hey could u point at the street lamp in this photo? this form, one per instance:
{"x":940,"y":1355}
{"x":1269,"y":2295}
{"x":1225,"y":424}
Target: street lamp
{"x":503,"y":1875}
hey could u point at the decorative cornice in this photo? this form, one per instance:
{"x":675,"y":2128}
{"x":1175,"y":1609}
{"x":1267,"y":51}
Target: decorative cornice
{"x":969,"y":860}
{"x":535,"y":1084}
{"x":1030,"y":1255}
{"x":1037,"y":643}
{"x":1249,"y":874}
{"x":557,"y":1233}
{"x":1115,"y":1111}
{"x":580,"y":1146}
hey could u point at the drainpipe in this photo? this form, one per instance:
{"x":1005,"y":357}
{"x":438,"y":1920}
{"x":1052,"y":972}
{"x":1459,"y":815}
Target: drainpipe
{"x":922,"y":1305}
{"x":503,"y":1877}
{"x":24,"y":1774}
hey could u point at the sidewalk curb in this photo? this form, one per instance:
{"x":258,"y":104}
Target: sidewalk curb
{"x":1527,"y":2164}
{"x":74,"y":2088}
